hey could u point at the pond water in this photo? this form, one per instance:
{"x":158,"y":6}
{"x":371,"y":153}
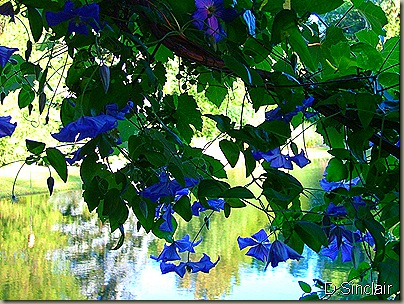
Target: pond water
{"x":54,"y":249}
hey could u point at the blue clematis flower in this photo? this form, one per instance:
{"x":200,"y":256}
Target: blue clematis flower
{"x":179,"y":269}
{"x":5,"y":54}
{"x":328,"y":186}
{"x":170,"y":253}
{"x":6,"y":127}
{"x":280,"y":252}
{"x":79,"y":18}
{"x":279,"y":160}
{"x":7,"y":10}
{"x":338,"y":211}
{"x":167,"y":187}
{"x":204,"y":265}
{"x":91,"y":126}
{"x":259,"y":244}
{"x":341,"y":239}
{"x":208,"y":14}
{"x":167,"y":216}
{"x":215,"y":204}
{"x":277,"y":113}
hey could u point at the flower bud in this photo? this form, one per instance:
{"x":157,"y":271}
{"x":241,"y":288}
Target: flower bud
{"x":105,"y":76}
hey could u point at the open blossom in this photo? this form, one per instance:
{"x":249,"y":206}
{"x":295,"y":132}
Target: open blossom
{"x":279,"y":160}
{"x":280,"y":252}
{"x":6,"y":127}
{"x":341,"y":239}
{"x":170,"y":253}
{"x":167,"y":187}
{"x":328,"y":186}
{"x":204,"y":265}
{"x":91,"y":126}
{"x":79,"y":17}
{"x":259,"y":244}
{"x":5,"y":54}
{"x":214,"y":204}
{"x":278,"y":114}
{"x":208,"y":15}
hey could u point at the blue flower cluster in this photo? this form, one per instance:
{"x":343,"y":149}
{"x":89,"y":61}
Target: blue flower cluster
{"x":279,"y":160}
{"x":263,"y":250}
{"x":171,"y":253}
{"x":167,"y":187}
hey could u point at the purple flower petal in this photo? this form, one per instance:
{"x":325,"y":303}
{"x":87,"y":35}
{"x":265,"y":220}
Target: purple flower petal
{"x":7,"y":10}
{"x":5,"y":54}
{"x":280,"y":252}
{"x":170,"y":267}
{"x":204,"y":264}
{"x":6,"y":127}
{"x":300,"y":159}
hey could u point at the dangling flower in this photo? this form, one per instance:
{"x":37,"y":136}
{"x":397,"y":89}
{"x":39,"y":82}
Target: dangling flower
{"x":6,"y":127}
{"x":342,"y":240}
{"x":167,"y":187}
{"x":208,"y":14}
{"x":203,"y":265}
{"x":328,"y":186}
{"x":170,"y":253}
{"x":279,"y":160}
{"x":259,"y":245}
{"x":5,"y":54}
{"x":214,"y":204}
{"x":91,"y":126}
{"x":280,"y":252}
{"x":79,"y":18}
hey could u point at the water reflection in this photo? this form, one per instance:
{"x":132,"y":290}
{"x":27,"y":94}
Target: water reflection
{"x":71,"y":256}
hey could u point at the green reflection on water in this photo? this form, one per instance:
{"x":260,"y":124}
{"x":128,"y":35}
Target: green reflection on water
{"x":29,"y":273}
{"x":72,"y":261}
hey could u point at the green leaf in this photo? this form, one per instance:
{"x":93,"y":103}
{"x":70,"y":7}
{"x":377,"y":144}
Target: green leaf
{"x":35,"y":23}
{"x":336,"y":170}
{"x":25,"y":96}
{"x":389,"y":274}
{"x":183,"y":208}
{"x":299,"y":45}
{"x":211,"y":188}
{"x":237,"y":192}
{"x":215,"y":93}
{"x":35,"y":147}
{"x":367,"y":57}
{"x":311,"y":234}
{"x":366,"y":104}
{"x":235,"y":203}
{"x":58,"y":162}
{"x":343,"y":59}
{"x":304,"y":286}
{"x":375,"y":16}
{"x":250,"y":162}
{"x":121,"y":238}
{"x":230,"y":150}
{"x":223,"y":123}
{"x":187,"y":114}
{"x":284,"y":22}
{"x":319,"y":6}
{"x":368,"y":36}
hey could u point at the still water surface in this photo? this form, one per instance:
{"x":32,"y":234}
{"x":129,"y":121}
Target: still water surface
{"x":70,"y":257}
